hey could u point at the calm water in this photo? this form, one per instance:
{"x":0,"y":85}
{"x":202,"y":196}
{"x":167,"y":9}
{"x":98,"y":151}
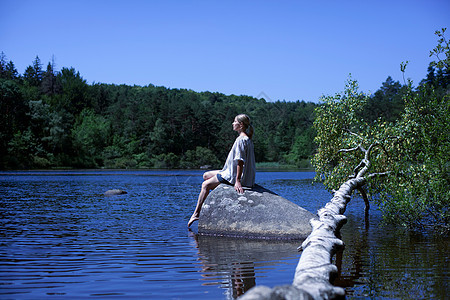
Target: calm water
{"x":61,"y":238}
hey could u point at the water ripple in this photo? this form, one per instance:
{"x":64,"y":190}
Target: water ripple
{"x":61,"y":237}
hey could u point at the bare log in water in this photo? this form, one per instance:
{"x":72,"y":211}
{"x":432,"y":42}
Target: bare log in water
{"x":315,"y":269}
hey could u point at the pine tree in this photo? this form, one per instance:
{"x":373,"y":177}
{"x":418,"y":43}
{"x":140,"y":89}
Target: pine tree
{"x":33,"y":73}
{"x":2,"y":65}
{"x":49,"y":82}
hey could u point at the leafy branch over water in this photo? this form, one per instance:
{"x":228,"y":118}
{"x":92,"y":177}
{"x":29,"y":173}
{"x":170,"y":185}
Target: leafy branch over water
{"x":413,"y":155}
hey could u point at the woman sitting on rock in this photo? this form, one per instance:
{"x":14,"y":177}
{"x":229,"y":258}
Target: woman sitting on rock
{"x":239,"y":168}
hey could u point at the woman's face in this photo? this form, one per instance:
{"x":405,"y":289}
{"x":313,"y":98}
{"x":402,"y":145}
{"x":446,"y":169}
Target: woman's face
{"x":237,"y":126}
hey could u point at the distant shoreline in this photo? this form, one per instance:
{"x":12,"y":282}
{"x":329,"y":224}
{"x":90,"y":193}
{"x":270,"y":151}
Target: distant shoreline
{"x":259,"y":167}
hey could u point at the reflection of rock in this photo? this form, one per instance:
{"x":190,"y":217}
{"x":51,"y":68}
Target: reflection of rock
{"x":114,"y":192}
{"x":258,"y":213}
{"x":233,"y":260}
{"x":227,"y":250}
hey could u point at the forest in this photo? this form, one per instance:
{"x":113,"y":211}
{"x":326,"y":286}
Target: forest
{"x":55,"y":119}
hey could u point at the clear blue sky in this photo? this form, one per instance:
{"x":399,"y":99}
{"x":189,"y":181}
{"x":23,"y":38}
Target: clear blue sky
{"x":287,"y":50}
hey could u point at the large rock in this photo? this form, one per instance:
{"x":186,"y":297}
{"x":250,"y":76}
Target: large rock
{"x":258,"y":213}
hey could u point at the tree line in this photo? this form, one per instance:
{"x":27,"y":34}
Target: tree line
{"x":55,"y":119}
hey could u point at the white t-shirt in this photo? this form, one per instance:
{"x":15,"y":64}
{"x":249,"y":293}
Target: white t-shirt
{"x":242,"y":150}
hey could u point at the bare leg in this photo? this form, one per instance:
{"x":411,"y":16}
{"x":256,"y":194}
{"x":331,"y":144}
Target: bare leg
{"x":210,"y":183}
{"x":209,"y":174}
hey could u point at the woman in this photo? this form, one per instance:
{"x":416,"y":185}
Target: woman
{"x":239,"y":168}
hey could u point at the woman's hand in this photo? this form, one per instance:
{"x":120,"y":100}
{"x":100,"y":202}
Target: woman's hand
{"x":238,"y":187}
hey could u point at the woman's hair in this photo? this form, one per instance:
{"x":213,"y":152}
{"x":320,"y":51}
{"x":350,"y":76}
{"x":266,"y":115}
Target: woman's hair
{"x":245,"y":120}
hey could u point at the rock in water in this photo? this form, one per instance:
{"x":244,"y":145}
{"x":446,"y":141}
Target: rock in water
{"x":114,"y":192}
{"x":258,"y":213}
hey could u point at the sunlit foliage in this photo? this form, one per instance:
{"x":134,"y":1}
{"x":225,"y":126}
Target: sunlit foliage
{"x":412,"y":152}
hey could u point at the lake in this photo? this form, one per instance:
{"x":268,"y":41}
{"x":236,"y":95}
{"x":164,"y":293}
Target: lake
{"x":62,"y":238}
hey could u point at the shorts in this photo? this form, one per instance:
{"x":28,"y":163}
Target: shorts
{"x":221,"y":180}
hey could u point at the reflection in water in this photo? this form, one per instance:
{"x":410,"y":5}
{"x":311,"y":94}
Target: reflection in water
{"x":233,"y":262}
{"x":61,"y":237}
{"x":356,"y":261}
{"x":391,"y":263}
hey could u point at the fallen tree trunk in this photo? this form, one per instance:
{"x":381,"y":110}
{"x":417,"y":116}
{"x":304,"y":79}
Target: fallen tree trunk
{"x":315,"y":269}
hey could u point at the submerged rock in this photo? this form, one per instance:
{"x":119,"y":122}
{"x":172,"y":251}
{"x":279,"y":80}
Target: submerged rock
{"x":114,"y":192}
{"x":258,"y":213}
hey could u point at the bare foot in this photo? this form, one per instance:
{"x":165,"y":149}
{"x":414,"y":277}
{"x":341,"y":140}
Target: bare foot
{"x":192,"y":220}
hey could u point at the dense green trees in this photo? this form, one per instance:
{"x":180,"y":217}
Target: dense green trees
{"x":411,"y":152}
{"x":391,"y":94}
{"x":55,"y":119}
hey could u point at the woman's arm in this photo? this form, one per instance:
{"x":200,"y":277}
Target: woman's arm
{"x":237,"y":184}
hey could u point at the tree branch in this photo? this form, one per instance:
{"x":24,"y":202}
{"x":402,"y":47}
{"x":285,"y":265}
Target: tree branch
{"x":354,"y":134}
{"x":366,"y":202}
{"x":378,"y":174}
{"x":350,"y":150}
